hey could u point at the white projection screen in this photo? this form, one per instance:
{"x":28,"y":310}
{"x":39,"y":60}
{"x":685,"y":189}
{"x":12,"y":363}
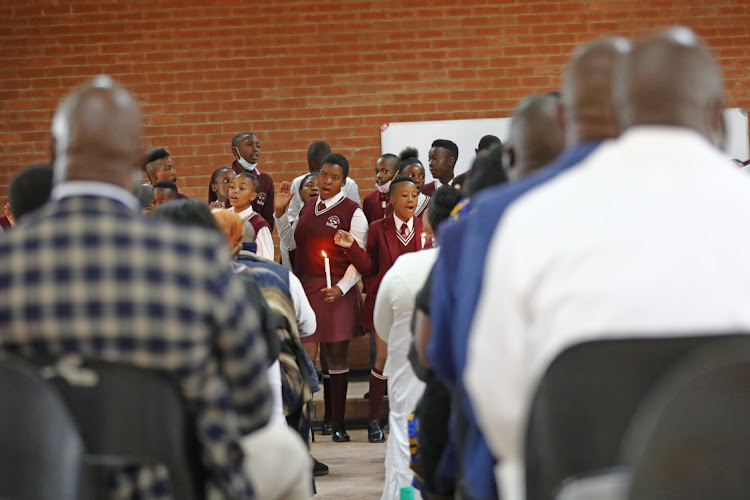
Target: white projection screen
{"x":466,"y":134}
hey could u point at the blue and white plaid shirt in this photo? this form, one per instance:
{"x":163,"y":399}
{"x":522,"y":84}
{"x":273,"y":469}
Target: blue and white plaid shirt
{"x":88,"y":275}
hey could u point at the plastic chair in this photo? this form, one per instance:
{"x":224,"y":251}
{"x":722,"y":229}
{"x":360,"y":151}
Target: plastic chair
{"x":41,"y":452}
{"x":585,"y":400}
{"x":129,"y":415}
{"x":691,"y":437}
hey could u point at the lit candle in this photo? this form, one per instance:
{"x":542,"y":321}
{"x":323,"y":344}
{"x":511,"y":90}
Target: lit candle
{"x":423,"y":235}
{"x":328,"y":268}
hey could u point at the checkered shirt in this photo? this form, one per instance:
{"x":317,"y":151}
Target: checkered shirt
{"x":87,"y":275}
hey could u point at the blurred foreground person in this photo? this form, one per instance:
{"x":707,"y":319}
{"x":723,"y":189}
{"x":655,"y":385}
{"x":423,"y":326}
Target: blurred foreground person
{"x":88,"y":274}
{"x":640,"y":239}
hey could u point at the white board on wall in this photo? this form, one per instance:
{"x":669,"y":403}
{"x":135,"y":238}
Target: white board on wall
{"x":394,"y":137}
{"x":466,"y":134}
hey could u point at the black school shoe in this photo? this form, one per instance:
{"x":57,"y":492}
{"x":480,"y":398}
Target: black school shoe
{"x":319,"y":468}
{"x":326,"y":429}
{"x":374,"y":432}
{"x":339,"y":434}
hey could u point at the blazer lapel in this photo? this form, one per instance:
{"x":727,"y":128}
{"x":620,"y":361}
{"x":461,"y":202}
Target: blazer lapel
{"x":391,"y":239}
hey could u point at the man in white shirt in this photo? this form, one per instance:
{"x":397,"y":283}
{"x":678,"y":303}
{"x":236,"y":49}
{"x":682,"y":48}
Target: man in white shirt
{"x":644,"y":237}
{"x":394,"y":307}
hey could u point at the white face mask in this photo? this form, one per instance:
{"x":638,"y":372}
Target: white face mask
{"x":245,"y":164}
{"x":384,"y":188}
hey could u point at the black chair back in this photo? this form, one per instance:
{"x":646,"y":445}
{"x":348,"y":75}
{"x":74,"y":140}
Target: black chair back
{"x":127,"y":414}
{"x":41,"y":452}
{"x":690,"y":439}
{"x":585,"y":400}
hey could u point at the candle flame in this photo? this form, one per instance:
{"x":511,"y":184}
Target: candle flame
{"x":423,"y":235}
{"x":324,"y":254}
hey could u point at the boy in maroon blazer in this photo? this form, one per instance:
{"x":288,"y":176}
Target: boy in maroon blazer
{"x":376,"y":205}
{"x":387,"y":239}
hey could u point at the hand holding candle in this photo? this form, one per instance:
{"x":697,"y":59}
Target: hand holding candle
{"x":327,"y":264}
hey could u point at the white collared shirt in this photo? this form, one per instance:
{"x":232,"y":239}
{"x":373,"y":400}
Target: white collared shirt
{"x":67,"y":189}
{"x":399,"y":223}
{"x":358,"y":229}
{"x":263,"y":238}
{"x":647,"y":236}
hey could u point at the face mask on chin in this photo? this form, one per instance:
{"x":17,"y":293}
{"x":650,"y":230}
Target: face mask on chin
{"x":384,"y":188}
{"x":246,"y":164}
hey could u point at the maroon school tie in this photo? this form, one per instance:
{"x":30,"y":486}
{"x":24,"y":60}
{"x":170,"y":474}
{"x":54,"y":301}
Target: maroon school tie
{"x":404,"y":230}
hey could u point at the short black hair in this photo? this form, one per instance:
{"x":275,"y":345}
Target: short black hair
{"x":188,"y":211}
{"x":446,"y":144}
{"x":253,"y":179}
{"x":408,"y":156}
{"x":318,"y":149}
{"x":337,"y":159}
{"x":442,"y":202}
{"x":305,"y":179}
{"x":30,"y":189}
{"x":238,"y":136}
{"x":392,"y":158}
{"x":167,"y":185}
{"x":155,"y":154}
{"x":487,"y":141}
{"x":487,"y":170}
{"x":400,"y":180}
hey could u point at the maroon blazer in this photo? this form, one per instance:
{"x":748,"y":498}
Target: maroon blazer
{"x":383,"y":248}
{"x":372,"y":206}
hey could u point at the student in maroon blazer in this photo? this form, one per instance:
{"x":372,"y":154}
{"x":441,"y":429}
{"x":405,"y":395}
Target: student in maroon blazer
{"x":376,"y":204}
{"x":387,"y":239}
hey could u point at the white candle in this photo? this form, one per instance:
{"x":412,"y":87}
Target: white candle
{"x":328,"y":269}
{"x":423,"y":235}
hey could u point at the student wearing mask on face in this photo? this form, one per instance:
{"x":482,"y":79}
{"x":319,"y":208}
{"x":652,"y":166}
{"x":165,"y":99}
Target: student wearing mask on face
{"x":376,"y":205}
{"x":242,"y":194}
{"x":413,"y":168}
{"x":442,"y":156}
{"x":388,"y":238}
{"x":246,"y":150}
{"x":218,"y":187}
{"x":337,"y":307}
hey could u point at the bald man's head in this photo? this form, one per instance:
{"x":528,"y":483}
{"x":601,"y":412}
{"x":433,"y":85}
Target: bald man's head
{"x":587,"y":97}
{"x":536,"y":136}
{"x":670,"y":78}
{"x":97,"y":135}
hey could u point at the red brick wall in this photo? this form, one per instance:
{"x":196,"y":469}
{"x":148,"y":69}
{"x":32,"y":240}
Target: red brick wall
{"x":295,"y":71}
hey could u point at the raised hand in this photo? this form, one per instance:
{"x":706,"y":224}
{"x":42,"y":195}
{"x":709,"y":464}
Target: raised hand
{"x":281,"y":198}
{"x":343,"y":238}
